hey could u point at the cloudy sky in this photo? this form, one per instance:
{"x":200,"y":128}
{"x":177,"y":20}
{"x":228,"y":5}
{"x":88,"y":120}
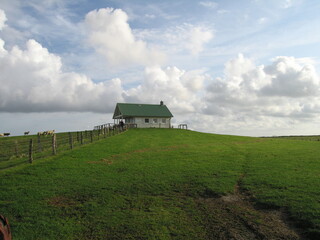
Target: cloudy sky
{"x":247,"y":67}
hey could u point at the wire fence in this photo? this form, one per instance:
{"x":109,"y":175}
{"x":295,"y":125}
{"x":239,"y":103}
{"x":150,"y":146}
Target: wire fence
{"x":15,"y":151}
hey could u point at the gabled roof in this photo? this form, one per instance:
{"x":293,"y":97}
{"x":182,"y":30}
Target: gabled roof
{"x":141,"y":110}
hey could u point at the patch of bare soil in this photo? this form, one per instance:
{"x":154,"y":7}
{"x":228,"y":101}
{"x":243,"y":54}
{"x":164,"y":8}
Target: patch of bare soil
{"x":66,"y":202}
{"x":235,"y":217}
{"x":61,"y":201}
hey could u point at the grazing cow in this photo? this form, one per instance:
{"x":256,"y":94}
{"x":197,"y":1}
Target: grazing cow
{"x":1,"y":134}
{"x":6,"y":134}
{"x":5,"y":232}
{"x":26,"y":133}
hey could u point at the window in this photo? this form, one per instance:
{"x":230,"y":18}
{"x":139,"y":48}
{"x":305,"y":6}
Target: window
{"x":146,"y":120}
{"x":129,"y":120}
{"x":163,"y":120}
{"x":155,"y":120}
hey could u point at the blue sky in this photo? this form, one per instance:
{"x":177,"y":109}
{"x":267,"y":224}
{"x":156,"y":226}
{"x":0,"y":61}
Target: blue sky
{"x":235,"y":67}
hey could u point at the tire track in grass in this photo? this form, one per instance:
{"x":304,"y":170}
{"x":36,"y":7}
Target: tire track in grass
{"x":236,"y":216}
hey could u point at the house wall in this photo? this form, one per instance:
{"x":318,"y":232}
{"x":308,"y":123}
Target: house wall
{"x":154,"y":122}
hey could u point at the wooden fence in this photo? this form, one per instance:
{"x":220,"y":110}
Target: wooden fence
{"x":26,"y":149}
{"x":183,"y":126}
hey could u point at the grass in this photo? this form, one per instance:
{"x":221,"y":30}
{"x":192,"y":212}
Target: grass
{"x":14,"y":151}
{"x":287,"y":174}
{"x":146,"y":183}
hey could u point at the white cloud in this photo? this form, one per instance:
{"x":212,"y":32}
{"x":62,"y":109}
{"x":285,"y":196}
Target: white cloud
{"x":289,"y":88}
{"x":277,"y":96}
{"x":198,"y":36}
{"x":276,"y":99}
{"x":180,"y":38}
{"x":2,"y":50}
{"x":292,"y":78}
{"x":110,"y":34}
{"x":250,"y":99}
{"x":32,"y":80}
{"x":177,"y":88}
{"x":208,"y":4}
{"x":3,"y":19}
{"x":222,"y":11}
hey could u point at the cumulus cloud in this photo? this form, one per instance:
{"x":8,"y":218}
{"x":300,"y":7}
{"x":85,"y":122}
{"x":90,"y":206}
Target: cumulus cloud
{"x":285,"y":88}
{"x":247,"y":96}
{"x":110,"y":35}
{"x":292,"y":78}
{"x":178,"y":88}
{"x":32,"y":80}
{"x":3,"y":19}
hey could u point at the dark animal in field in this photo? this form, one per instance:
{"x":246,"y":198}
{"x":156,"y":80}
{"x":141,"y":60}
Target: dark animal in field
{"x":5,"y":233}
{"x":26,"y":133}
{"x":6,"y":134}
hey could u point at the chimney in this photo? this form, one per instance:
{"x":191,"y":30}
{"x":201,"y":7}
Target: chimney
{"x":161,"y":103}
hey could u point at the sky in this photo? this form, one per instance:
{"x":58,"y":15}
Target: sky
{"x":247,"y":67}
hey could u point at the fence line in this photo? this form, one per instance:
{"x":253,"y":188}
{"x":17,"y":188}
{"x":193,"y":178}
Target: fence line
{"x":29,"y":149}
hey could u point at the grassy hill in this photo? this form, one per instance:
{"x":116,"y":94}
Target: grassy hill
{"x":168,"y":184}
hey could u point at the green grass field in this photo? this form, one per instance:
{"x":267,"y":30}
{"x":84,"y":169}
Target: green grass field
{"x":15,"y":151}
{"x":157,"y":183}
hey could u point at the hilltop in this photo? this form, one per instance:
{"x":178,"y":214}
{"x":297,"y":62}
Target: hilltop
{"x":168,"y":183}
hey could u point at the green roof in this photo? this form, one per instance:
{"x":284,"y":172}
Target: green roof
{"x":123,"y":110}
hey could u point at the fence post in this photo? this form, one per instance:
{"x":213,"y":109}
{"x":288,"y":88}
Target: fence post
{"x":54,"y":145}
{"x":31,"y":151}
{"x":81,"y":138}
{"x":78,"y":137}
{"x":91,"y":136}
{"x":70,"y":140}
{"x":39,"y":143}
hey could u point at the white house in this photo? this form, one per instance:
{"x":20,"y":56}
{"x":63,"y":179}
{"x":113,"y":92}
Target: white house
{"x":143,"y":115}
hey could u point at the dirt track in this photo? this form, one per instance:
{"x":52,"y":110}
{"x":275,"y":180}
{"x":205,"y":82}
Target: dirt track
{"x":235,"y":217}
